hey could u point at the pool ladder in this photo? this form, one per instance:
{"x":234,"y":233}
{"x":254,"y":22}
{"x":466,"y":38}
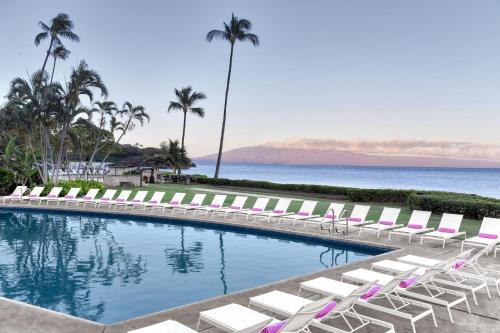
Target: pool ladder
{"x":332,"y":230}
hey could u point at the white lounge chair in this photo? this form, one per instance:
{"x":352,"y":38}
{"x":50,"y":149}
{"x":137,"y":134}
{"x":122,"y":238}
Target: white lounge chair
{"x":257,"y":209}
{"x":386,"y":222}
{"x":334,"y":212}
{"x":279,"y":210}
{"x":287,"y":305}
{"x":416,"y":226}
{"x":235,"y":317}
{"x":71,"y":195}
{"x":155,"y":200}
{"x":196,"y":202}
{"x":357,"y":217}
{"x":172,"y":326}
{"x":235,"y":207}
{"x":88,"y":198}
{"x":386,"y":289}
{"x":33,"y":195}
{"x":488,"y":236}
{"x":52,"y":196}
{"x":305,"y":212}
{"x":138,"y":198}
{"x":448,"y":228}
{"x":217,"y":202}
{"x":16,"y":195}
{"x":174,"y":202}
{"x":106,"y":199}
{"x":121,"y":199}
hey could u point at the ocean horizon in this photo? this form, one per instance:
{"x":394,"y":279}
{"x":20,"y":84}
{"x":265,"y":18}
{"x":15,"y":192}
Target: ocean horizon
{"x":480,"y":181}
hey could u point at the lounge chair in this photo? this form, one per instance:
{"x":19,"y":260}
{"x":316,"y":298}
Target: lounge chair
{"x":385,"y":289}
{"x":235,"y":207}
{"x":52,"y":196}
{"x":33,"y":195}
{"x":174,"y":202}
{"x":237,"y":318}
{"x":88,"y":198}
{"x":172,"y":326}
{"x":416,"y":225}
{"x":470,"y":267}
{"x":488,"y":236}
{"x":257,"y":209}
{"x":16,"y":195}
{"x":121,"y":199}
{"x":155,"y":200}
{"x":71,"y":195}
{"x":217,"y":202}
{"x":357,"y":217}
{"x":106,"y":199}
{"x":196,"y":202}
{"x":279,"y":210}
{"x":448,"y":228}
{"x":470,"y":284}
{"x":421,"y":287}
{"x":386,"y":222}
{"x":138,"y":198}
{"x":495,"y":253}
{"x":334,"y":212}
{"x":305,"y":212}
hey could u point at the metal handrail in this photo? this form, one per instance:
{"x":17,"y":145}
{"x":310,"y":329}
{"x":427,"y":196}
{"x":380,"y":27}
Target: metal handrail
{"x":332,"y":229}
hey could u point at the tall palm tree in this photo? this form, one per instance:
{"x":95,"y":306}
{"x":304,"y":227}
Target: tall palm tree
{"x":61,"y":26}
{"x":236,"y":30}
{"x":60,"y":52}
{"x":186,"y":98}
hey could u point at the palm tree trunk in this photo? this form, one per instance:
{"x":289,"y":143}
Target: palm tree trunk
{"x":219,"y":156}
{"x":53,"y":70}
{"x":183,"y":129}
{"x":48,"y":54}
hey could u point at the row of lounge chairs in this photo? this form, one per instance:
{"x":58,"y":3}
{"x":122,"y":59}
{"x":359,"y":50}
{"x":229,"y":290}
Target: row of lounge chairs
{"x":405,"y":288}
{"x":335,"y":216}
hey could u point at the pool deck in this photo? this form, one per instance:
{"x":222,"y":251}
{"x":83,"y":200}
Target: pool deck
{"x":17,"y":317}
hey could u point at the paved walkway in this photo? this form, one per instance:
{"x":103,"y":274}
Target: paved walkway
{"x":16,"y":317}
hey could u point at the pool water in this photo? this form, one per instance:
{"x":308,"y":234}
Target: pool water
{"x":111,"y":268}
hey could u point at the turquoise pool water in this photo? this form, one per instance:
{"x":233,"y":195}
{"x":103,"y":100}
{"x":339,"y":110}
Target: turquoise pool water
{"x":111,"y":268}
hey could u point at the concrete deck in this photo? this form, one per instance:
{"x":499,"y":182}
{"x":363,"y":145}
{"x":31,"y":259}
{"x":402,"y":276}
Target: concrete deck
{"x":16,"y":317}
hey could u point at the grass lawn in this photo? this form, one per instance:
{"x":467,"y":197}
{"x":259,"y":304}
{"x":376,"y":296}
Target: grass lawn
{"x":468,"y":225}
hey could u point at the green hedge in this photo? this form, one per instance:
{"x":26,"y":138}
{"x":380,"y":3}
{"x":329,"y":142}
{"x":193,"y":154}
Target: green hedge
{"x":7,"y":181}
{"x":379,"y":195}
{"x":85,"y":185}
{"x":472,"y":206}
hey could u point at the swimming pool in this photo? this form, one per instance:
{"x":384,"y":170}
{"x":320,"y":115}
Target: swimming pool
{"x":111,"y":268}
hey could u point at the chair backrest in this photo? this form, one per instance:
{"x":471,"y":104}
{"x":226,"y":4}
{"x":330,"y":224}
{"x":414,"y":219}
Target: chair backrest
{"x":390,"y":214}
{"x":157,"y":197}
{"x":261,"y":203}
{"x":73,"y":192}
{"x":398,"y":278}
{"x":348,"y":301}
{"x":36,"y":191}
{"x":420,"y":217}
{"x":360,"y":212}
{"x":439,"y":268}
{"x":140,"y":195}
{"x":239,"y":201}
{"x":18,"y":191}
{"x":91,"y":194}
{"x":218,"y":200}
{"x":178,"y":197}
{"x":55,"y":191}
{"x":451,"y":221}
{"x":198,"y":198}
{"x":308,"y":207}
{"x":490,"y":225}
{"x":338,"y":209}
{"x":109,"y":194}
{"x":283,"y":204}
{"x":124,"y":195}
{"x":256,"y":328}
{"x":305,"y":315}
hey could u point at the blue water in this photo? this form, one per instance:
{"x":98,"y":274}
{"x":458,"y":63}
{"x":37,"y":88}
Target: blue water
{"x":109,"y":269}
{"x":484,"y":182}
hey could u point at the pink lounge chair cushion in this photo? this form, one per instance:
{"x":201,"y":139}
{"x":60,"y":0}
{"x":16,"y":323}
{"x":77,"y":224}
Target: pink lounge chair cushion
{"x":386,"y":222}
{"x":51,"y":196}
{"x":135,"y":200}
{"x":408,"y":282}
{"x":354,"y":219}
{"x":486,"y":235}
{"x":256,"y":209}
{"x":15,"y":195}
{"x":235,"y":207}
{"x":447,"y":230}
{"x":372,"y":292}
{"x":459,"y":264}
{"x":214,"y":206}
{"x":87,"y":198}
{"x":174,"y":202}
{"x":194,"y":204}
{"x":415,"y":226}
{"x":105,"y":199}
{"x":303,"y":214}
{"x":120,"y":200}
{"x":278,"y":211}
{"x":274,"y":328}
{"x":153,"y":202}
{"x":330,"y":216}
{"x":33,"y":195}
{"x":326,"y":310}
{"x":68,"y":196}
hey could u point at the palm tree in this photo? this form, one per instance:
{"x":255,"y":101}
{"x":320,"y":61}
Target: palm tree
{"x":186,"y":98}
{"x":236,"y":30}
{"x":61,"y":26}
{"x":175,"y":155}
{"x":60,"y":52}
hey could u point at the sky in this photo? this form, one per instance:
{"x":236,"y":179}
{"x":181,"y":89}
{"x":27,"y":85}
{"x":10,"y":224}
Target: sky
{"x":387,"y":71}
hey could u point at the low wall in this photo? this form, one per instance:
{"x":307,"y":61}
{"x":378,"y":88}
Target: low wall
{"x":122,"y":180}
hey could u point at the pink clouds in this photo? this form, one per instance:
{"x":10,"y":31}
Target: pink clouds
{"x":447,"y":149}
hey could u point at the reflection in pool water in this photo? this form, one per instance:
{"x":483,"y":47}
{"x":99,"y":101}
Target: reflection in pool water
{"x":109,"y":269}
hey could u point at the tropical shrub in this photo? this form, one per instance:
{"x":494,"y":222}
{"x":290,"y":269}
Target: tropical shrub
{"x":85,"y":185}
{"x":7,"y":181}
{"x":379,"y":195}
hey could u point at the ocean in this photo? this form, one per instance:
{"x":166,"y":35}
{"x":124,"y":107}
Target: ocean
{"x":485,"y":182}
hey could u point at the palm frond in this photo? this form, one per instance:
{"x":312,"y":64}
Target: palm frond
{"x":41,"y":36}
{"x":198,"y":111}
{"x":217,"y":34}
{"x":174,"y":106}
